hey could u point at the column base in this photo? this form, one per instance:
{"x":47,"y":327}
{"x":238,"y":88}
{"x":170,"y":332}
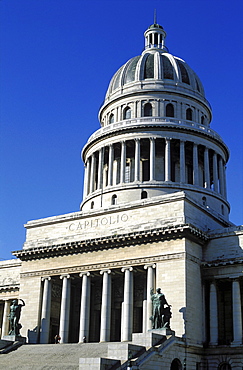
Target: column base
{"x":236,"y":343}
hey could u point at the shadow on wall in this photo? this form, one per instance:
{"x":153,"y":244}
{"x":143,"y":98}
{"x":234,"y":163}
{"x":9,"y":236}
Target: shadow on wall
{"x":183,"y":311}
{"x":33,"y":335}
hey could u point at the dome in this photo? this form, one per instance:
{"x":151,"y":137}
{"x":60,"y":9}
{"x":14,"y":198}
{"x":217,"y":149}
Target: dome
{"x":155,"y":65}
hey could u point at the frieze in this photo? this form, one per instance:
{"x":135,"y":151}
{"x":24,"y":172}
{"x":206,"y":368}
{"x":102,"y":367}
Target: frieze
{"x":95,"y":267}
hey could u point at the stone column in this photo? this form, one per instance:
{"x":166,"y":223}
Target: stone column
{"x":237,"y":314}
{"x":6,"y":310}
{"x":137,"y":160}
{"x":46,"y":311}
{"x":206,"y":169}
{"x":87,"y":179}
{"x":127,"y":309}
{"x":105,"y":325}
{"x":65,"y":308}
{"x":123,"y":161}
{"x":167,"y":160}
{"x":110,"y":165}
{"x":215,"y":172}
{"x":182,"y":162}
{"x":84,"y":306}
{"x":91,"y":186}
{"x":152,"y":158}
{"x":100,"y":168}
{"x":150,"y":285}
{"x":213,"y":313}
{"x":221,"y":177}
{"x":195,"y":165}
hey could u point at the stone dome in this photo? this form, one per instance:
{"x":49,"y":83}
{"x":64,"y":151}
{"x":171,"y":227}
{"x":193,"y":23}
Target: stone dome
{"x":155,"y":65}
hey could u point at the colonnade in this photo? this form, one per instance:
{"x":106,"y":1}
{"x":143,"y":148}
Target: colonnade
{"x":166,"y":160}
{"x":85,"y":305}
{"x":235,"y":315}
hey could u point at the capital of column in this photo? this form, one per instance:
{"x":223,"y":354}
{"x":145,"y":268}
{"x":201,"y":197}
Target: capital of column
{"x":81,"y":274}
{"x":43,"y":278}
{"x":65,"y":276}
{"x":108,"y":271}
{"x":129,"y":268}
{"x":153,"y":265}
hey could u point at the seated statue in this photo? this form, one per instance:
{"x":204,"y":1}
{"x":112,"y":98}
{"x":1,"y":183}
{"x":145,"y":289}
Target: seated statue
{"x":161,"y":310}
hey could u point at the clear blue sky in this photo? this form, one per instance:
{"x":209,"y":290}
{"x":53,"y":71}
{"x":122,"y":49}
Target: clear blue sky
{"x":57,"y":58}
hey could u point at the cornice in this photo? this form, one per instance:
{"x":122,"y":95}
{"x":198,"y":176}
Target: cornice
{"x":114,"y":241}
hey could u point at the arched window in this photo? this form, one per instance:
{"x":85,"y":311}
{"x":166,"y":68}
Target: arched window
{"x":114,"y":199}
{"x":144,"y":194}
{"x":92,"y":205}
{"x":111,"y":118}
{"x":222,"y":209}
{"x":127,"y":113}
{"x":176,"y":364}
{"x":189,"y":114}
{"x":202,"y":120}
{"x":169,"y":110}
{"x":148,"y":110}
{"x":224,"y":366}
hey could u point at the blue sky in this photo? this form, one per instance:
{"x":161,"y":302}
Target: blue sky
{"x":57,"y":58}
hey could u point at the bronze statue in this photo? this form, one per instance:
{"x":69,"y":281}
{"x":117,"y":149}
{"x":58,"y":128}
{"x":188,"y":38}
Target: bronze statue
{"x":161,"y":310}
{"x":14,"y":316}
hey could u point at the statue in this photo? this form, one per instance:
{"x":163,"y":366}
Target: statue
{"x":161,"y":310}
{"x":14,"y":316}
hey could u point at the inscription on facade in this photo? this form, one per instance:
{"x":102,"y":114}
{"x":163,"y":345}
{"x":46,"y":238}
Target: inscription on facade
{"x":98,"y":222}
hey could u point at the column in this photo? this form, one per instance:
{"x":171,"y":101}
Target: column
{"x":46,"y":311}
{"x":221,"y":177}
{"x":91,"y":184}
{"x":123,"y":161}
{"x":105,"y":325}
{"x":87,"y":178}
{"x":237,"y":315}
{"x":100,"y":168}
{"x":215,"y":172}
{"x":206,"y":169}
{"x":195,"y":165}
{"x":137,"y":160}
{"x":213,"y":314}
{"x":167,"y":160}
{"x":152,"y":158}
{"x":150,"y":285}
{"x":85,"y":306}
{"x":110,"y":165}
{"x":65,"y":308}
{"x":6,"y":310}
{"x":182,"y":161}
{"x":127,"y":308}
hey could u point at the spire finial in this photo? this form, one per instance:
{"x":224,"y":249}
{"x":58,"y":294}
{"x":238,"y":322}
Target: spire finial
{"x":155,"y":17}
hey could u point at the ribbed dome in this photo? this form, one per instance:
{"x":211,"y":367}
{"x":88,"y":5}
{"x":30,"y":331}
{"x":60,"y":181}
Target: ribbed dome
{"x":157,"y":66}
{"x":168,"y":71}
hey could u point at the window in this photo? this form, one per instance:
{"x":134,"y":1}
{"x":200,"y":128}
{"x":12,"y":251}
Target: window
{"x":176,"y":364}
{"x":147,"y":110}
{"x":189,"y":114}
{"x":202,"y":120}
{"x":169,"y":110}
{"x":224,"y":366}
{"x":92,"y":205}
{"x":222,"y":209}
{"x":111,"y":118}
{"x":127,"y":113}
{"x":204,"y":201}
{"x":114,"y":199}
{"x":144,"y":194}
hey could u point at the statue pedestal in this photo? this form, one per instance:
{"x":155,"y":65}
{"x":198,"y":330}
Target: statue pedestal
{"x":162,"y":331}
{"x":14,"y":338}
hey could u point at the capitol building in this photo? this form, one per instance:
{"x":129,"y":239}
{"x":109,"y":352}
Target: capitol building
{"x":154,"y":214}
